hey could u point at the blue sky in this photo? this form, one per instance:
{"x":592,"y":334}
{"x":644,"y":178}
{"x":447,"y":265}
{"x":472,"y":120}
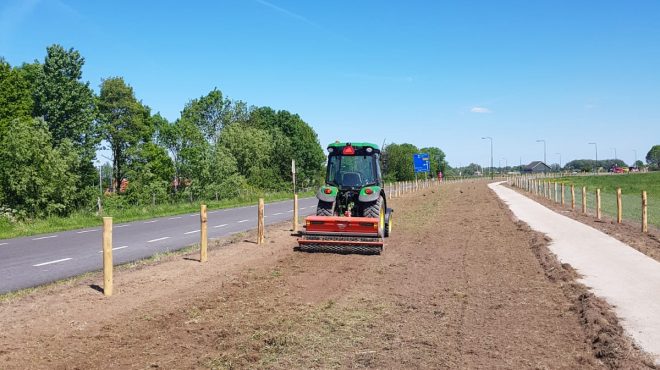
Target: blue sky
{"x":432,"y":73}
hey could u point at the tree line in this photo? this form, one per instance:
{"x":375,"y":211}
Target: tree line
{"x":397,"y":161}
{"x":52,"y":123}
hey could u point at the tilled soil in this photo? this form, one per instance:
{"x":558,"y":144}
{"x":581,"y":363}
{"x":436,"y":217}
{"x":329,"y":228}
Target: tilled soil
{"x":459,"y":285}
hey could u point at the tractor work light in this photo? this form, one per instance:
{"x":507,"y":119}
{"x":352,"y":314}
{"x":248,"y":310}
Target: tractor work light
{"x":331,"y":149}
{"x":369,"y":150}
{"x":348,"y":150}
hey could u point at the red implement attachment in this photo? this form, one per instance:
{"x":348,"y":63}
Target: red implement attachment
{"x":341,"y":235}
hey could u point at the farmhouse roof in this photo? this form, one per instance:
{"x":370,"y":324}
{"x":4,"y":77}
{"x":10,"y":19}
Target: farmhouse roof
{"x":538,"y":165}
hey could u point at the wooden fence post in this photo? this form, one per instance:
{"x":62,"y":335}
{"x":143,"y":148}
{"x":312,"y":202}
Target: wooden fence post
{"x":573,"y":197}
{"x":295,"y":213}
{"x":584,"y":199}
{"x":261,"y":230}
{"x":619,"y":206}
{"x":203,"y":234}
{"x":563,"y":190}
{"x":598,"y":214}
{"x":107,"y":256}
{"x":645,"y":226}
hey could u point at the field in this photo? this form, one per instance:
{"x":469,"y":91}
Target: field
{"x":631,"y":186}
{"x":458,"y":286}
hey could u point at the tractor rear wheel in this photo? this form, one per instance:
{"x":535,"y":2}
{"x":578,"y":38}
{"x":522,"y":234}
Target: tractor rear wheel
{"x":376,"y":210}
{"x":325,"y":208}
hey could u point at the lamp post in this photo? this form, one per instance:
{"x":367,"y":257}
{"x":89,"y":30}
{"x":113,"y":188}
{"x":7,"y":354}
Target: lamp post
{"x":596,"y":146}
{"x":614,"y":153}
{"x":544,"y":158}
{"x":559,"y":154}
{"x":491,"y":154}
{"x":634,"y":151}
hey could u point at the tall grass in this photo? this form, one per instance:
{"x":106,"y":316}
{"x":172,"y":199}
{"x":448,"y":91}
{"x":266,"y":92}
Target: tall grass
{"x":84,"y":219}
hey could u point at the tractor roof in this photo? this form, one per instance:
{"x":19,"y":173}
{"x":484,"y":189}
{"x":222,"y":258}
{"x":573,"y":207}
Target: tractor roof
{"x":355,"y":145}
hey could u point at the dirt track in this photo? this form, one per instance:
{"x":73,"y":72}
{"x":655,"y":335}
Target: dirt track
{"x":459,"y":285}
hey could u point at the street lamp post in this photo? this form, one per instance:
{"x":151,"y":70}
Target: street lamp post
{"x":491,"y":154}
{"x":596,"y":146}
{"x":559,"y":154}
{"x":544,"y":158}
{"x":614,"y":153}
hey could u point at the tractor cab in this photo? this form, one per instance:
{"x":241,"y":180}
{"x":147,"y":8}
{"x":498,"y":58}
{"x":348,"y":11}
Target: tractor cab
{"x":353,"y":167}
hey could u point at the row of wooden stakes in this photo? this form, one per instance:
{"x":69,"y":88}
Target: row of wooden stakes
{"x":203,"y":242}
{"x":539,"y":187}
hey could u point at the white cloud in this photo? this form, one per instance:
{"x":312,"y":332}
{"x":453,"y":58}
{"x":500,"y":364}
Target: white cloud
{"x":480,"y":110}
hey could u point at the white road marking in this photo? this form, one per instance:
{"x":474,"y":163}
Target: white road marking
{"x":117,"y":248}
{"x":289,"y":211}
{"x":216,"y":226}
{"x":242,"y":221}
{"x":4,"y":243}
{"x":86,"y":231}
{"x":157,"y":240}
{"x":174,"y":218}
{"x":191,"y":232}
{"x":278,"y":213}
{"x":45,"y":237}
{"x":194,"y":215}
{"x":117,"y":227}
{"x":150,"y":222}
{"x":51,"y":262}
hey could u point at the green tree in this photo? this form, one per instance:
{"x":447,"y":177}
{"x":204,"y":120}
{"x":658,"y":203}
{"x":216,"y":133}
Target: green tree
{"x":251,"y":147}
{"x":150,"y":172}
{"x":125,"y":122}
{"x":437,"y":159}
{"x":65,"y":102}
{"x":15,"y":94}
{"x":653,"y":157}
{"x":212,"y":112}
{"x":292,"y":138}
{"x":398,"y":162}
{"x":37,"y":179}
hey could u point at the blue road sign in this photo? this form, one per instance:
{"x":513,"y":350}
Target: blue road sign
{"x":421,"y":162}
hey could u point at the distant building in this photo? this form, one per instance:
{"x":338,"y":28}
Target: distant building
{"x":536,"y":167}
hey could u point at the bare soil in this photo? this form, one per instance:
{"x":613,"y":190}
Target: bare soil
{"x":459,"y":285}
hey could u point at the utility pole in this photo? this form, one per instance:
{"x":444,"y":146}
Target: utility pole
{"x":491,"y":154}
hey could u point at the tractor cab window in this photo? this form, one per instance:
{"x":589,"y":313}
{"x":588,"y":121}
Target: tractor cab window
{"x":352,"y":171}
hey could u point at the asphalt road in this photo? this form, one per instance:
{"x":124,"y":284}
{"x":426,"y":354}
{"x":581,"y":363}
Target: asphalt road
{"x":39,"y":259}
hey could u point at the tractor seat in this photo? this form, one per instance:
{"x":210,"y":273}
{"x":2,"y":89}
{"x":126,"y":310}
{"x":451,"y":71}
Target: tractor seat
{"x":351,"y":179}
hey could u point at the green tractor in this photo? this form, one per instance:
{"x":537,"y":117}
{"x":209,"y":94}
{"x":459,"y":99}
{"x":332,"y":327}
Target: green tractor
{"x":352,"y":214}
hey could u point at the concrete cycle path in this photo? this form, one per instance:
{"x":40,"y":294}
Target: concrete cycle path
{"x":626,"y":278}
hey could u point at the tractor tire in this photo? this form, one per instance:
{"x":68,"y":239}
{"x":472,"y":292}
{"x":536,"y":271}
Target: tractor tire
{"x":388,"y":222}
{"x":376,"y":210}
{"x":325,"y":208}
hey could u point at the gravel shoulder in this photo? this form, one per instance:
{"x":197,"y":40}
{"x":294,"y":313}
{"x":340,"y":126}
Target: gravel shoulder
{"x":460,"y":284}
